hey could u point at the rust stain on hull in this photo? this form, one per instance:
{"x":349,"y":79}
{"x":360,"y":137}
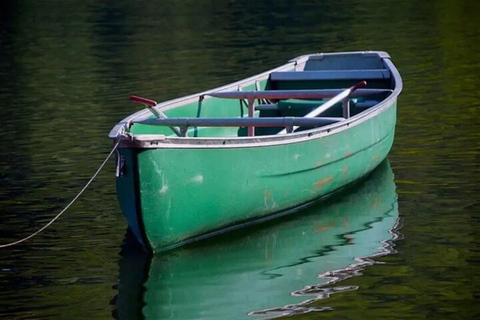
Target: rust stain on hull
{"x":376,"y":158}
{"x":327,"y":226}
{"x":322,"y":182}
{"x":268,"y":200}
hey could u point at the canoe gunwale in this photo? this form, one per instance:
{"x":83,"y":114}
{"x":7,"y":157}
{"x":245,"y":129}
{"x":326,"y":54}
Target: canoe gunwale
{"x":148,"y":141}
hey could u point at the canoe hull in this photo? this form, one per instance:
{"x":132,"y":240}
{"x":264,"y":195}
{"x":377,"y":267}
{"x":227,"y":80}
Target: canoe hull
{"x":171,"y":195}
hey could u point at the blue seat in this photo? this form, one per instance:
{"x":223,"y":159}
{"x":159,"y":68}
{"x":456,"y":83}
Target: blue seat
{"x":374,"y":74}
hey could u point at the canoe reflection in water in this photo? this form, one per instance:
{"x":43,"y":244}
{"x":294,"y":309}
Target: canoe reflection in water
{"x":275,"y":269}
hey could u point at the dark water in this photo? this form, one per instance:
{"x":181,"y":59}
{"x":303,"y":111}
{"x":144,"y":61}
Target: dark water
{"x":66,"y":70}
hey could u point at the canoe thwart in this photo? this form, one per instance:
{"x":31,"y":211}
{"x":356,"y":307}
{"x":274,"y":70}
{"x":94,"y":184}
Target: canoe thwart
{"x":294,"y":94}
{"x":243,"y":122}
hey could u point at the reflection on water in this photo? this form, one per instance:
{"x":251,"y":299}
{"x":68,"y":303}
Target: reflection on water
{"x":272,"y":270}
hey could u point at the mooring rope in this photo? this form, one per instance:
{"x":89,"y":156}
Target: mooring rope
{"x":68,"y":206}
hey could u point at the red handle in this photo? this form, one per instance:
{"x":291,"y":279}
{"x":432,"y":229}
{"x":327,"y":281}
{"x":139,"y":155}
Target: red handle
{"x":144,"y":101}
{"x":358,"y":86}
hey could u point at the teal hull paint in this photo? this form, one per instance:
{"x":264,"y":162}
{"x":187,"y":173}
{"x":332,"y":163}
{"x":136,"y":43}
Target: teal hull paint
{"x":186,"y":194}
{"x":208,"y":280}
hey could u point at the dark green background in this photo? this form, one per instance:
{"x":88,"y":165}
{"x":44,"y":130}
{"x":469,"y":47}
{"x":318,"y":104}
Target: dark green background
{"x":68,"y":67}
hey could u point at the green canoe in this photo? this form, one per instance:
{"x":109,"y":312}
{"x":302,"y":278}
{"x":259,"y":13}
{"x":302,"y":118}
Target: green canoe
{"x":265,"y":146}
{"x":268,"y":271}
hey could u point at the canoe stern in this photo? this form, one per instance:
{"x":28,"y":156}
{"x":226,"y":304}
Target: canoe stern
{"x":128,"y":192}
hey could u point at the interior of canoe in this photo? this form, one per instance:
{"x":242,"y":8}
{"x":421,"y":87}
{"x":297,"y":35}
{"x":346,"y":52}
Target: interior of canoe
{"x":286,"y":100}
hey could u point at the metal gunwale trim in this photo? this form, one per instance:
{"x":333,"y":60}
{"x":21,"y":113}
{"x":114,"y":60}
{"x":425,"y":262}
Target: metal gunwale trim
{"x":162,"y":141}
